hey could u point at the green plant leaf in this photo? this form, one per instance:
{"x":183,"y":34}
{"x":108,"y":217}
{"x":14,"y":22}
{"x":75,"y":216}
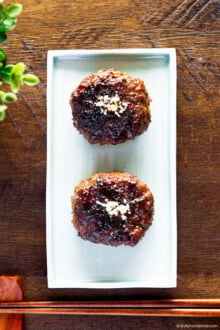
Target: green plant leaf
{"x":2,"y":115}
{"x":3,"y":11}
{"x":2,"y":55}
{"x":8,"y":24}
{"x":3,"y":36}
{"x":6,"y":73}
{"x":30,"y":79}
{"x":14,"y":9}
{"x":9,"y":21}
{"x":15,"y":85}
{"x":3,"y":107}
{"x":16,"y":75}
{"x":6,"y":76}
{"x":11,"y":74}
{"x":1,"y":94}
{"x":18,"y":69}
{"x":8,"y":67}
{"x":2,"y":111}
{"x":9,"y":98}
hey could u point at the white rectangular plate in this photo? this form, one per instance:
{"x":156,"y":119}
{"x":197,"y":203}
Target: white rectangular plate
{"x":71,"y":261}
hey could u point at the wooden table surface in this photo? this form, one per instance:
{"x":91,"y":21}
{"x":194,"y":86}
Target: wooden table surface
{"x":192,"y":27}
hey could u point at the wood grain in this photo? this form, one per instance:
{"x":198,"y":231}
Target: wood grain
{"x":192,"y":27}
{"x":90,"y":322}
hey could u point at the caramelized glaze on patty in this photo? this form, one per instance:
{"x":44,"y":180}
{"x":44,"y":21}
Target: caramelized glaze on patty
{"x":110,"y":107}
{"x":112,"y":208}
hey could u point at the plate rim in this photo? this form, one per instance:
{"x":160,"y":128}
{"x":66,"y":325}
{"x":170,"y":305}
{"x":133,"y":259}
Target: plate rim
{"x":172,"y":282}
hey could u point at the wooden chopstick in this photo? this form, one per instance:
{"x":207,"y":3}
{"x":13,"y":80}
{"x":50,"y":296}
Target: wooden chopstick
{"x":186,"y":312}
{"x":165,"y":307}
{"x":164,"y":303}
